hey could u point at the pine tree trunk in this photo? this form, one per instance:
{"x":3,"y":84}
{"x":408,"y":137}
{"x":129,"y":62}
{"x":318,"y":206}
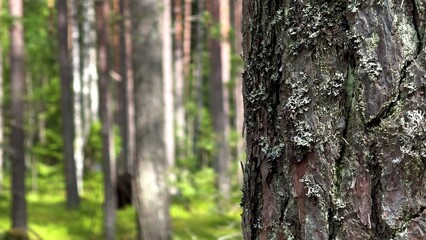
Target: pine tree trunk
{"x":187,"y":38}
{"x":73,"y":199}
{"x":151,"y":193}
{"x":105,"y":112}
{"x":219,"y":105}
{"x":17,"y":82}
{"x":239,"y":105}
{"x":128,"y":124}
{"x":198,"y":85}
{"x":335,"y":114}
{"x":179,"y":82}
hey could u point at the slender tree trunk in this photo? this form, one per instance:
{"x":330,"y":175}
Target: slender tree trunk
{"x":152,"y":202}
{"x":30,"y":120}
{"x":187,"y":38}
{"x":225,"y":48}
{"x":118,"y":110}
{"x":238,"y":96}
{"x":219,"y":106}
{"x":89,"y":71}
{"x":179,"y":83}
{"x":335,"y":117}
{"x":128,"y":120}
{"x":199,"y":66}
{"x":105,"y":110}
{"x":17,"y":82}
{"x":167,"y":66}
{"x":73,"y":199}
{"x":78,"y":94}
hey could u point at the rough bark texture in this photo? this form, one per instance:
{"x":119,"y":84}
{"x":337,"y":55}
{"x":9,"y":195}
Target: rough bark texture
{"x":105,"y":112}
{"x":334,"y":95}
{"x":151,"y":195}
{"x":17,"y":82}
{"x":73,"y":199}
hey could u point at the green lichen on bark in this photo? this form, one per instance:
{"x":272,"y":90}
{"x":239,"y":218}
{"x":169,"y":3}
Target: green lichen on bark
{"x":334,"y":106}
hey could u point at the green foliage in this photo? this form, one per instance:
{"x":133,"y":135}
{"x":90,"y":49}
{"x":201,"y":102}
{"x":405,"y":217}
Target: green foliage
{"x":48,"y":148}
{"x":197,"y":185}
{"x":93,"y":147}
{"x":198,"y":219}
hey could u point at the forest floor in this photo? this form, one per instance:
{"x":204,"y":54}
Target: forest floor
{"x":48,"y":218}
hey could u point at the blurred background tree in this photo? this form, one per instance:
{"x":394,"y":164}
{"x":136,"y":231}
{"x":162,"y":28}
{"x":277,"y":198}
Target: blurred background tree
{"x":200,"y":119}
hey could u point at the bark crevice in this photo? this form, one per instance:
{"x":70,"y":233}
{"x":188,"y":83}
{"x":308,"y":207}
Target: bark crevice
{"x":415,"y":15}
{"x":381,"y":230}
{"x":387,"y":110}
{"x":338,"y":164}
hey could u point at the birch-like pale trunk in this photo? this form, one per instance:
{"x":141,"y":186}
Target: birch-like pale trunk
{"x":89,"y":71}
{"x":78,"y":95}
{"x":167,"y":63}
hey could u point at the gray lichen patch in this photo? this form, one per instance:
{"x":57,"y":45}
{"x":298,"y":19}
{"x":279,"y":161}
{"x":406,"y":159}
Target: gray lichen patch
{"x":413,"y":139}
{"x":302,"y":135}
{"x":309,"y":23}
{"x":273,"y":152}
{"x":313,"y":190}
{"x":299,"y":100}
{"x":332,"y":87}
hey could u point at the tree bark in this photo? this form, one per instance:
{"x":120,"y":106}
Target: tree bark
{"x":17,"y":82}
{"x":128,"y":126}
{"x":105,"y":111}
{"x":78,"y":95}
{"x":73,"y":199}
{"x":167,"y":67}
{"x":152,"y":202}
{"x":187,"y":38}
{"x":219,"y":105}
{"x":179,"y":82}
{"x":89,"y":71}
{"x":334,"y":96}
{"x":198,"y":85}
